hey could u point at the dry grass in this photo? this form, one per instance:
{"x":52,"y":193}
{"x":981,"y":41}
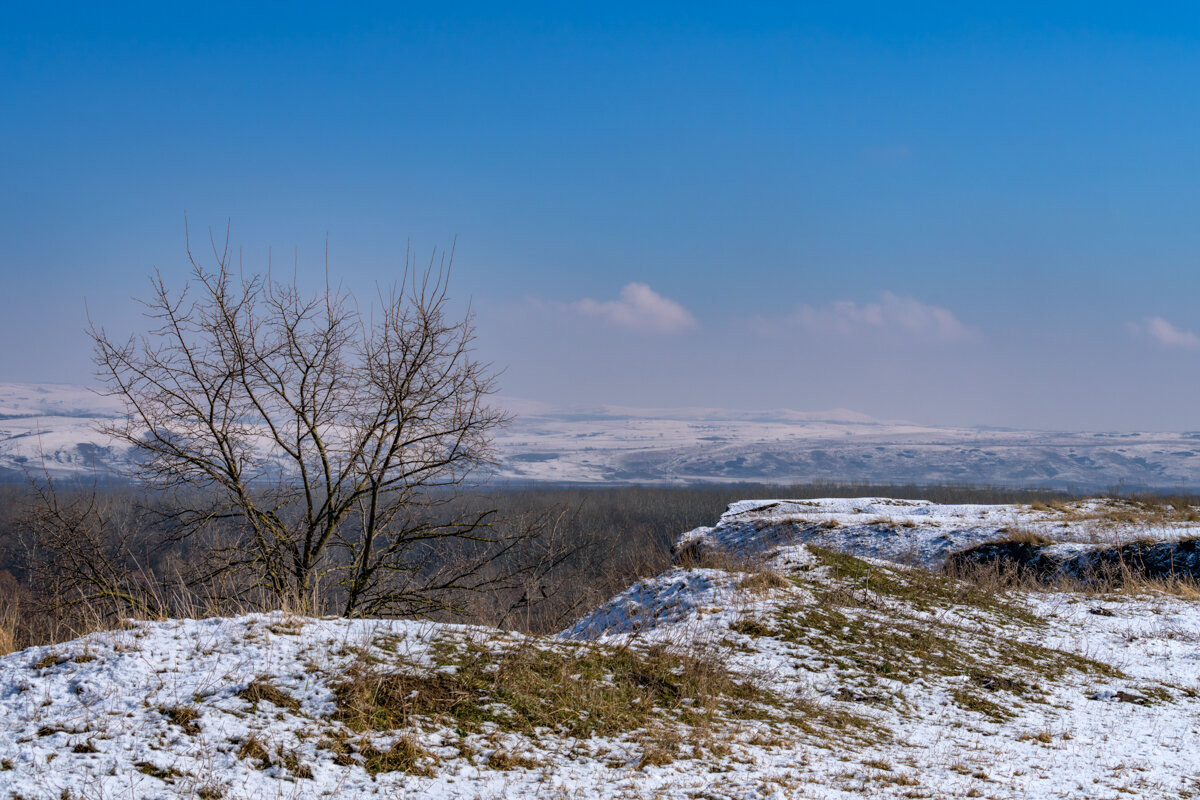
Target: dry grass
{"x":254,"y":751}
{"x":1005,"y":578}
{"x":10,"y":614}
{"x":183,"y":716}
{"x":1144,"y":509}
{"x":405,"y":755}
{"x":910,"y":624}
{"x":261,"y":689}
{"x":1020,"y":535}
{"x":507,"y":759}
{"x":763,"y":580}
{"x":890,"y":523}
{"x":575,"y":690}
{"x":655,"y":754}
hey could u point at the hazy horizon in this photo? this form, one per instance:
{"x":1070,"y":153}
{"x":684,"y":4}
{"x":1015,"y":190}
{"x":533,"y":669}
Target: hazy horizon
{"x":938,"y":214}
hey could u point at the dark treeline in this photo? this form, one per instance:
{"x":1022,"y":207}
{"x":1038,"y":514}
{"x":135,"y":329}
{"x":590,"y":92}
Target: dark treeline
{"x":593,"y":542}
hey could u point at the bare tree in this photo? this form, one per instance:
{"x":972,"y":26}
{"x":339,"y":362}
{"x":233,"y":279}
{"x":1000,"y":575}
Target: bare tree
{"x":324,"y":441}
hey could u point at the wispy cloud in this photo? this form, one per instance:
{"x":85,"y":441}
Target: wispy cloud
{"x":639,"y":308}
{"x":1168,"y":335}
{"x":891,"y":314}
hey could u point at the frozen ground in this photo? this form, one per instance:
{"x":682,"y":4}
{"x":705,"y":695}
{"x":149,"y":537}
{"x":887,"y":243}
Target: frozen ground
{"x":52,"y":427}
{"x":858,"y":678}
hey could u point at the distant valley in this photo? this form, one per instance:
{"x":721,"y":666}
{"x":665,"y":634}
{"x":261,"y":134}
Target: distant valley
{"x":49,"y":428}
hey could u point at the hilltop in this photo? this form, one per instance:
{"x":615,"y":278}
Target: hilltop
{"x":777,"y":664}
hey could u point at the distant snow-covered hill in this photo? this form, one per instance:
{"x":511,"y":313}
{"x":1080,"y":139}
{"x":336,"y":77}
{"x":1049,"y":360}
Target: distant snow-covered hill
{"x":711,"y":445}
{"x":52,"y":428}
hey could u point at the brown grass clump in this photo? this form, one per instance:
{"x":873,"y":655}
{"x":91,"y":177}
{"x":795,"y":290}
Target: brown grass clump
{"x":506,"y":760}
{"x":183,"y":716}
{"x":1020,"y":535}
{"x":254,"y":751}
{"x":751,"y":627}
{"x":47,"y":661}
{"x":262,"y":689}
{"x":655,"y":755}
{"x":764,"y":580}
{"x":403,"y":756}
{"x":166,"y":774}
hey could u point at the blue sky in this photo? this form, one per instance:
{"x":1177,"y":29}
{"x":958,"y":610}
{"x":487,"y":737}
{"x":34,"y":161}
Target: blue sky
{"x":922,"y":211}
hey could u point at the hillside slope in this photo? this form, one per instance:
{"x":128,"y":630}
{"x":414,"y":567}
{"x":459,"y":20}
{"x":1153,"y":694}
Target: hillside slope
{"x":778,"y":668}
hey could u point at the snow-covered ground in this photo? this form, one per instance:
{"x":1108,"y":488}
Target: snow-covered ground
{"x":925,"y":533}
{"x":865,"y":678}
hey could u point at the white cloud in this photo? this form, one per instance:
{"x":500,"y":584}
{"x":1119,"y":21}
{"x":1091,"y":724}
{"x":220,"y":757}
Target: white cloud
{"x":1168,"y":335}
{"x":892,"y":314}
{"x":640,"y":308}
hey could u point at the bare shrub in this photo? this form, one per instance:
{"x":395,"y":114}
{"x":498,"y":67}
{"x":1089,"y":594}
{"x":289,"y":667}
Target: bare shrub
{"x":92,"y":558}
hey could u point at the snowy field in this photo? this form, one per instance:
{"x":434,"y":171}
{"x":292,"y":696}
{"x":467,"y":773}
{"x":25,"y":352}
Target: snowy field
{"x":828,"y":676}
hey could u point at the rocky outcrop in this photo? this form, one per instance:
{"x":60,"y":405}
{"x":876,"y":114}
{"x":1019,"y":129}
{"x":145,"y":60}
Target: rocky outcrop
{"x":1047,"y":562}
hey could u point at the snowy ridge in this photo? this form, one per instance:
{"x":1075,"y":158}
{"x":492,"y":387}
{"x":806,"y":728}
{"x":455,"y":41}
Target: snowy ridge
{"x":872,"y":680}
{"x":921,"y":532}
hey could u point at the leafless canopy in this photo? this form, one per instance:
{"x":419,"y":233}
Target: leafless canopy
{"x":323,"y":440}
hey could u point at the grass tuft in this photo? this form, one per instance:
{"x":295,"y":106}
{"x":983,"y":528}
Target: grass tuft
{"x":183,"y":716}
{"x":403,"y":756}
{"x":253,"y":750}
{"x":507,"y":759}
{"x":263,"y":690}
